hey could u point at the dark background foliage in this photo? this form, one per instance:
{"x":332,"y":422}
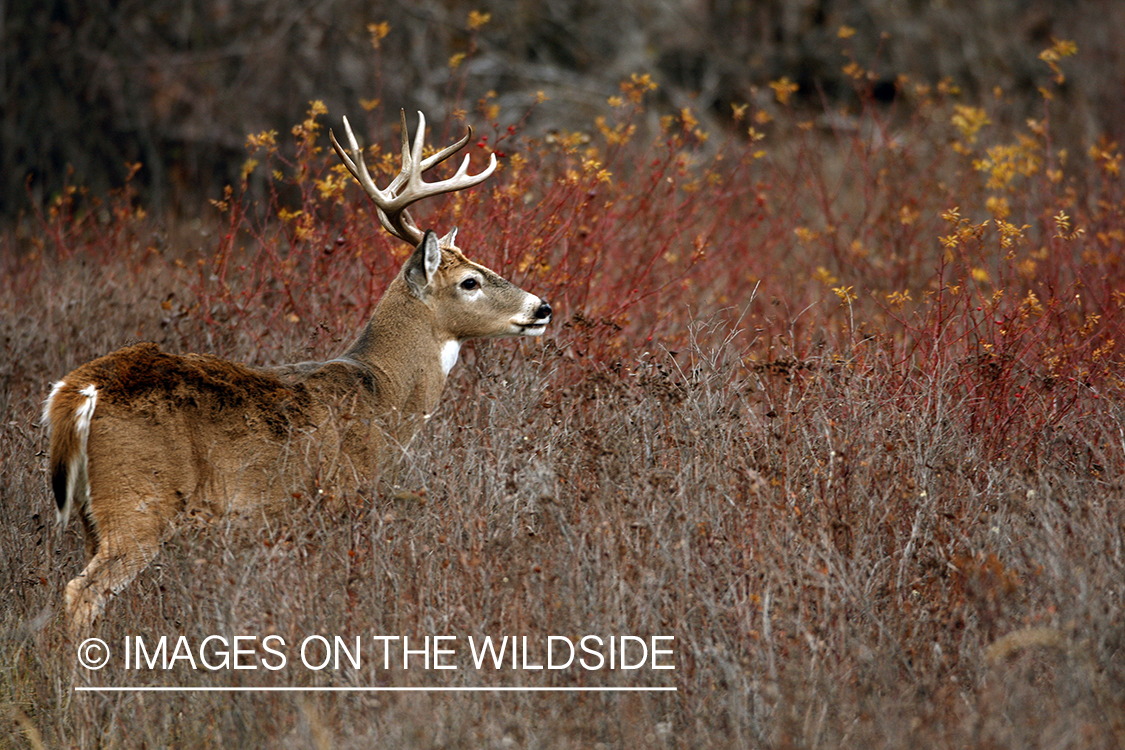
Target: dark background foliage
{"x":93,"y":85}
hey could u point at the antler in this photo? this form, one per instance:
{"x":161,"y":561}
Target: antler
{"x":408,"y":187}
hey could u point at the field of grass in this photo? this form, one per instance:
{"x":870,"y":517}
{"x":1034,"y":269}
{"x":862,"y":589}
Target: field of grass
{"x":834,"y":400}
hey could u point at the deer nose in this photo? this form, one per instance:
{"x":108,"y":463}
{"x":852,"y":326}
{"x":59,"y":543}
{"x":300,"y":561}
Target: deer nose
{"x":543,"y":311}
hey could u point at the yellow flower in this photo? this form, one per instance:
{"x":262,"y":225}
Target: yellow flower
{"x":687,"y":118}
{"x":804,"y":234}
{"x":265,"y":139}
{"x":898,"y":299}
{"x":969,"y":120}
{"x":998,"y":207}
{"x":636,"y":87}
{"x":1060,"y":49}
{"x":378,"y":31}
{"x":1109,"y":157}
{"x":783,"y":89}
{"x":478,"y":19}
{"x":824,"y":276}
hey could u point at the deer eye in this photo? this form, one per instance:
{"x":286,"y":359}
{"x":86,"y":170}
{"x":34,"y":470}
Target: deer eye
{"x":470,"y":284}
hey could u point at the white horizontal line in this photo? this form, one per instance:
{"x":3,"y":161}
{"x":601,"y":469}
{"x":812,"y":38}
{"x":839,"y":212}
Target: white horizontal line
{"x":503,"y":689}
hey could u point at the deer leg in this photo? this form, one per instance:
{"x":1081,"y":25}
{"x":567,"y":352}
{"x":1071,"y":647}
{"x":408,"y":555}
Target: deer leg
{"x":89,"y":535}
{"x":124,"y":549}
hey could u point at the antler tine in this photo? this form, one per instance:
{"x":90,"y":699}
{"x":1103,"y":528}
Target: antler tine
{"x":446,"y":152}
{"x":407,"y":154}
{"x":408,"y":187}
{"x":413,"y":176}
{"x":357,"y":167}
{"x":389,"y":218}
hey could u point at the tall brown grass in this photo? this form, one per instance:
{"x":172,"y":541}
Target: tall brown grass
{"x":834,"y":401}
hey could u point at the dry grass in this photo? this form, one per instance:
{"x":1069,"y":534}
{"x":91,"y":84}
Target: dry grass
{"x":868,"y":520}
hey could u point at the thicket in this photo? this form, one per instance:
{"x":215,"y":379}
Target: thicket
{"x":834,"y":400}
{"x":95,"y":86}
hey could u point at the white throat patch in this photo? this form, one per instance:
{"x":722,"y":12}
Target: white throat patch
{"x":449,"y":352}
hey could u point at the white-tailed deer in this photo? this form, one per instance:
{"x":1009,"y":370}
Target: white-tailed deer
{"x":139,"y":438}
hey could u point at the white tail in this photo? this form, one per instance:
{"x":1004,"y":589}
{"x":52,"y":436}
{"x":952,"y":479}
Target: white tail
{"x":140,"y":437}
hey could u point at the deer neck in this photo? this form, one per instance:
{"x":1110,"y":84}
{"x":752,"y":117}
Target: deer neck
{"x":402,"y":346}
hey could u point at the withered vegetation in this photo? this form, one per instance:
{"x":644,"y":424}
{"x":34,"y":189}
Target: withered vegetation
{"x":841,"y":411}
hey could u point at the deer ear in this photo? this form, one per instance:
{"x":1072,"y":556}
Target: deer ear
{"x":423,"y":264}
{"x":449,"y":238}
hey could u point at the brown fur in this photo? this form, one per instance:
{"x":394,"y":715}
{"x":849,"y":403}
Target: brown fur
{"x":170,"y":434}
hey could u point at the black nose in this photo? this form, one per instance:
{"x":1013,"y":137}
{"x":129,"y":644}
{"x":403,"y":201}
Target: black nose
{"x":544,"y":311}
